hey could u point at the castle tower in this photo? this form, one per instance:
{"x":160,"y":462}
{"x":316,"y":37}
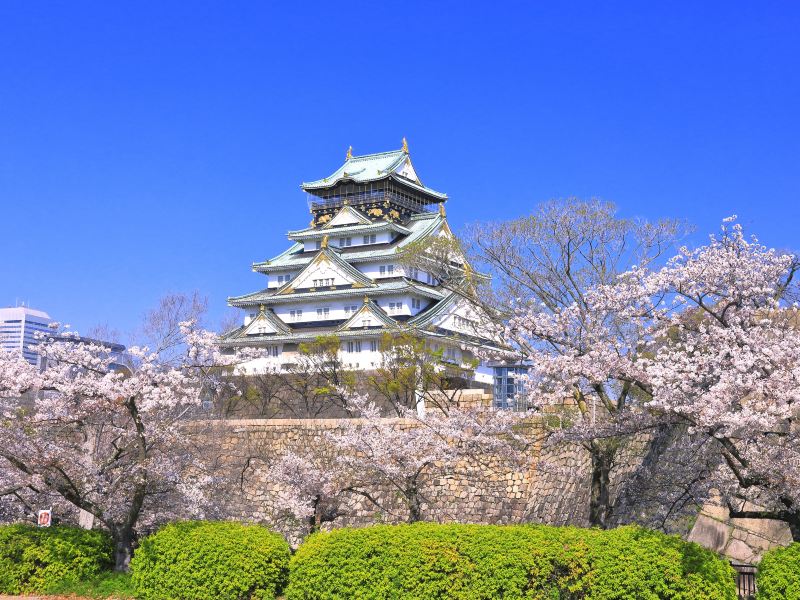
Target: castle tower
{"x":343,"y":275}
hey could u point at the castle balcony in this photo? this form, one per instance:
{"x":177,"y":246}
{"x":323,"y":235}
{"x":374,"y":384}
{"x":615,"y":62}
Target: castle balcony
{"x":397,"y":198}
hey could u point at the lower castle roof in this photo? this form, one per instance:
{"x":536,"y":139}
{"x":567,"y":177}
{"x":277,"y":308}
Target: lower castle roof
{"x":381,"y":288}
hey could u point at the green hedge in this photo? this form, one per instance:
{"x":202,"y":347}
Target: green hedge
{"x":210,"y":561}
{"x":34,"y":559}
{"x":427,"y":560}
{"x":779,"y":574}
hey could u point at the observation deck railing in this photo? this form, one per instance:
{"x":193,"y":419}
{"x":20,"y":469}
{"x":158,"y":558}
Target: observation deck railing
{"x":368,"y":197}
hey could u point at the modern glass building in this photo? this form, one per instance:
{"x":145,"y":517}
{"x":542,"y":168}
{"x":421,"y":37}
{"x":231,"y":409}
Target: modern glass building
{"x":509,"y":387}
{"x":18,"y":329}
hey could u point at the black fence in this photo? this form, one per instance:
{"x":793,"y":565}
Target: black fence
{"x":745,"y":581}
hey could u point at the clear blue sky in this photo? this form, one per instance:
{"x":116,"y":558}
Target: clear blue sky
{"x":148,"y":147}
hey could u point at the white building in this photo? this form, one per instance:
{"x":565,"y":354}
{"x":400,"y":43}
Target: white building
{"x":18,"y":329}
{"x":343,"y":275}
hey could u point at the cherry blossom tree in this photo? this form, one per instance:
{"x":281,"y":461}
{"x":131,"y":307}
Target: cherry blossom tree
{"x":709,"y":342}
{"x":545,"y":267}
{"x":310,"y":490}
{"x":724,"y":357}
{"x":109,"y":440}
{"x":388,"y":459}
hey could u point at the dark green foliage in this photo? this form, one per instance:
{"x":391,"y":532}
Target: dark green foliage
{"x":474,"y":562}
{"x":779,"y":574}
{"x":214,"y":561}
{"x":36,"y":559}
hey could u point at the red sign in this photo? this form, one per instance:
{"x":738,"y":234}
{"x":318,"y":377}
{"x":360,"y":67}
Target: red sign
{"x":43,"y":518}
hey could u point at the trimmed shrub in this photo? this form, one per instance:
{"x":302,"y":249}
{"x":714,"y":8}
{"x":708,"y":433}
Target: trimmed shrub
{"x":37,"y":559}
{"x":778,"y":575}
{"x":206,"y":560}
{"x":471,"y":562}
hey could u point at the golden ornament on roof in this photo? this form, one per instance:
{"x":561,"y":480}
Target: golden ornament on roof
{"x":405,"y":145}
{"x":349,"y":153}
{"x":324,"y":243}
{"x":441,"y":209}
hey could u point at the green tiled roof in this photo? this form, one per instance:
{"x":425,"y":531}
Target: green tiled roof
{"x":269,"y":297}
{"x":235,"y":338}
{"x":372,"y":167}
{"x":312,"y":233}
{"x":425,"y":317}
{"x":420,"y":226}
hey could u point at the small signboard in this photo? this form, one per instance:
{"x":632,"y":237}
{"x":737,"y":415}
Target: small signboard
{"x":44,"y":518}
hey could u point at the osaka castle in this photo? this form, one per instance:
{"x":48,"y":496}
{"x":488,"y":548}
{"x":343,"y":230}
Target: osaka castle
{"x":344,"y":274}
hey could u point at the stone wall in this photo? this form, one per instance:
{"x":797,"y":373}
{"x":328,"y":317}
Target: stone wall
{"x":553,"y":488}
{"x":743,"y":541}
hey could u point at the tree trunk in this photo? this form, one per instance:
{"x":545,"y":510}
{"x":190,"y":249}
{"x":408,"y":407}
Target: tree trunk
{"x":123,"y":549}
{"x":600,"y":498}
{"x":315,"y":520}
{"x":794,"y":526}
{"x":414,"y":508}
{"x":790,"y":516}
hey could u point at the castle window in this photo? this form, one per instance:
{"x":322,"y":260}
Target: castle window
{"x":413,"y":273}
{"x":318,"y":245}
{"x":323,"y":313}
{"x":345,"y":241}
{"x":463,"y":323}
{"x":353,"y":347}
{"x":395,"y":306}
{"x":369,"y":239}
{"x":415,"y":303}
{"x":349,"y":310}
{"x":296,"y":315}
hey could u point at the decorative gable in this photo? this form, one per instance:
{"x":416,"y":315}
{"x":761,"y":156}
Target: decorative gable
{"x":348,"y":216}
{"x":457,"y":315}
{"x":369,"y":315}
{"x":327,"y":269}
{"x":406,"y":170}
{"x":265,"y":323}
